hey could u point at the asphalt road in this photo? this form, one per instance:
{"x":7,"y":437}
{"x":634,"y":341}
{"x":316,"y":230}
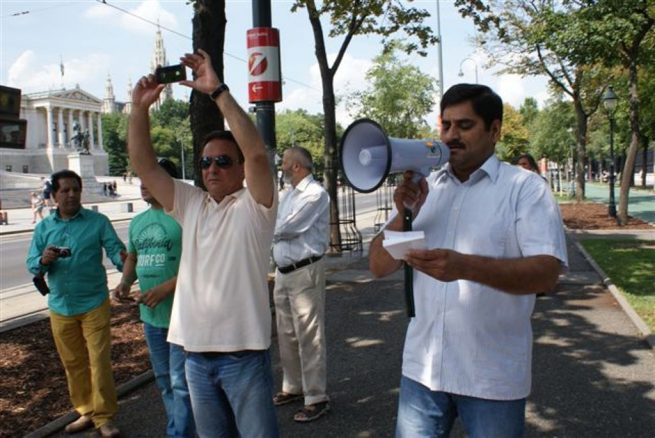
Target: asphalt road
{"x":13,"y":251}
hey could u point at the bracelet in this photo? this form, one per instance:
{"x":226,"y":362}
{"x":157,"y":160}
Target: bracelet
{"x":217,"y":92}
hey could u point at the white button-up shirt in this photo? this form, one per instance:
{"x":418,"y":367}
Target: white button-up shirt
{"x":301,"y":228}
{"x":468,"y":338}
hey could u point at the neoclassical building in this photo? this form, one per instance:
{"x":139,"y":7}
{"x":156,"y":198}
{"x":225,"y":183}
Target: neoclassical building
{"x":51,"y":116}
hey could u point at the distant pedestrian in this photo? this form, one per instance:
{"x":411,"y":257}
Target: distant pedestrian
{"x":299,"y":243}
{"x":527,"y":162}
{"x":37,"y":206}
{"x":105,"y":189}
{"x":46,"y":191}
{"x":114,"y":188}
{"x":3,"y":216}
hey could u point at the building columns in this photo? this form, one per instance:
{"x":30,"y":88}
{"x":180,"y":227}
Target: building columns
{"x":99,"y":115}
{"x":50,"y":127}
{"x":89,"y":116}
{"x":60,"y":127}
{"x":70,"y":127}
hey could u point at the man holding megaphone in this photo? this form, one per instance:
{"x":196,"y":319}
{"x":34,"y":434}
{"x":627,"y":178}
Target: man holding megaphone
{"x":495,"y":239}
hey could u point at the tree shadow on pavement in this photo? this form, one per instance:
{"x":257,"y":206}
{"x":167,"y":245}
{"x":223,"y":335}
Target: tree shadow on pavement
{"x":592,"y":373}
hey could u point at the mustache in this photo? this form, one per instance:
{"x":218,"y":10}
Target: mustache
{"x":455,"y":144}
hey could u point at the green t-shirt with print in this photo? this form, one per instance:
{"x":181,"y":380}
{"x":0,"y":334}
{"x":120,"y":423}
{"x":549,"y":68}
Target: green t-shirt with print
{"x":156,"y":238}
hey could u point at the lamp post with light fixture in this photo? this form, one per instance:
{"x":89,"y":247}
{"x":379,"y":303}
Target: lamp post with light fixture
{"x":610,"y":100}
{"x":461,"y":73}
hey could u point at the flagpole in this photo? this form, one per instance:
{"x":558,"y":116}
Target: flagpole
{"x":61,"y":70}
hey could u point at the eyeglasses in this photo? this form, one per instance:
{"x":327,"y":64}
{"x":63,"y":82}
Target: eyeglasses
{"x":221,"y":161}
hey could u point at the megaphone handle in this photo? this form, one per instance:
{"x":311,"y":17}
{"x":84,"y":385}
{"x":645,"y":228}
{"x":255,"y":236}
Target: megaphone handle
{"x":409,"y":272}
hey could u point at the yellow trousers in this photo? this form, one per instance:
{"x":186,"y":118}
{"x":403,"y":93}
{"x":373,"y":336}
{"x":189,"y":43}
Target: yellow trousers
{"x":84,"y":346}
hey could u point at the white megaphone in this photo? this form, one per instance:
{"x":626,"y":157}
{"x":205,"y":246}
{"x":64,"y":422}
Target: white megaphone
{"x":368,"y":155}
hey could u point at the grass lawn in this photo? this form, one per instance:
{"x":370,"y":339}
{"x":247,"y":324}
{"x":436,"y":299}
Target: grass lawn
{"x":631,"y":266}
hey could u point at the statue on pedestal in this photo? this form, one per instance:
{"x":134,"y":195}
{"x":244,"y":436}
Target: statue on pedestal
{"x":79,"y":140}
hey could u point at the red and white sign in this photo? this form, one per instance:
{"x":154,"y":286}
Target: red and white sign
{"x":264,"y":65}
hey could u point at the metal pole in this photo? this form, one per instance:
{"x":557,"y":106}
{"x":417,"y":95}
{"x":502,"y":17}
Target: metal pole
{"x":265,"y":111}
{"x":441,"y":84}
{"x":183,"y":165}
{"x":612,"y":205}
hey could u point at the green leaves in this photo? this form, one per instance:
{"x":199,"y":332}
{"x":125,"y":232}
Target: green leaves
{"x":399,"y":96}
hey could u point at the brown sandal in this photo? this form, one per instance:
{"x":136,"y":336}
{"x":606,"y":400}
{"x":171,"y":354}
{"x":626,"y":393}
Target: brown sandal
{"x":312,"y":412}
{"x":282,"y":398}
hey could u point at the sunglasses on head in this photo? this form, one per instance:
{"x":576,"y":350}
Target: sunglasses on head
{"x":221,"y":161}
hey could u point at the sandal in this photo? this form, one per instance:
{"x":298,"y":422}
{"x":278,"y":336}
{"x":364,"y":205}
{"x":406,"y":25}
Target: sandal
{"x":312,"y":412}
{"x":282,"y":398}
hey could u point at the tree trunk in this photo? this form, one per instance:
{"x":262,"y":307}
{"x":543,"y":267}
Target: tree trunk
{"x":629,"y":164}
{"x":644,"y":160}
{"x":331,"y":170}
{"x":208,"y":34}
{"x":581,"y":141}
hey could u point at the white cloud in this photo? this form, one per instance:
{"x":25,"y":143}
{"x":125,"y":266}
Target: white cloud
{"x":98,"y":11}
{"x":511,"y":88}
{"x":31,"y":75}
{"x":151,"y":10}
{"x":349,"y":78}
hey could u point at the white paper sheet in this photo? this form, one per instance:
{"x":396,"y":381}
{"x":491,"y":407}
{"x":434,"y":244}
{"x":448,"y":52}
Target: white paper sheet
{"x":397,"y":243}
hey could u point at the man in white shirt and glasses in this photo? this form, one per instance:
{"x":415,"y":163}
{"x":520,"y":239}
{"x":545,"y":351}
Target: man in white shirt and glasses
{"x":300,"y":240}
{"x":221,"y":315}
{"x":495,"y":240}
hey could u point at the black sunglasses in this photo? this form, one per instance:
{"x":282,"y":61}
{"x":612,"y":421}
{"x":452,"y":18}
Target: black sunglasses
{"x":221,"y":161}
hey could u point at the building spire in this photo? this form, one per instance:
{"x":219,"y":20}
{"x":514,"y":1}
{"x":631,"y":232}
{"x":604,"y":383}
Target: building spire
{"x":159,"y":59}
{"x":109,"y":102}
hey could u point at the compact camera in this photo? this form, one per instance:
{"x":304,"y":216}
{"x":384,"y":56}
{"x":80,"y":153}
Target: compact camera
{"x":62,"y":251}
{"x":171,"y":73}
{"x":41,"y":285}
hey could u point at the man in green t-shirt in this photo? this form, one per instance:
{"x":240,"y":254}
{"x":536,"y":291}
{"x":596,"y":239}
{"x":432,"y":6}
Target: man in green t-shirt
{"x":154,"y":249}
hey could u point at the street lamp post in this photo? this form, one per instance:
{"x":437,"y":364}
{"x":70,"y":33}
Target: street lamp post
{"x":461,"y":73}
{"x":610,"y":100}
{"x":572,"y":172}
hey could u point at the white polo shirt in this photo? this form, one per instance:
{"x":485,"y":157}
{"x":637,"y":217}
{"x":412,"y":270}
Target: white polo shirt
{"x":467,"y":338}
{"x":221,"y":298}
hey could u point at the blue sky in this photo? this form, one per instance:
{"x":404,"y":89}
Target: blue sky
{"x":94,"y":40}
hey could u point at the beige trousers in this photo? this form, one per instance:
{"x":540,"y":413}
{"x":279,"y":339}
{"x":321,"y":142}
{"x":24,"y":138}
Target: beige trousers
{"x":300,"y":315}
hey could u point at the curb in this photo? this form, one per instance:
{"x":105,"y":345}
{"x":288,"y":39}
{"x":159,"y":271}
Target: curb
{"x":61,"y":422}
{"x":639,"y":323}
{"x":31,"y":230}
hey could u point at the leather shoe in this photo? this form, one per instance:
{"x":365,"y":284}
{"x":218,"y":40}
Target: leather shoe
{"x":82,"y":423}
{"x":108,"y":430}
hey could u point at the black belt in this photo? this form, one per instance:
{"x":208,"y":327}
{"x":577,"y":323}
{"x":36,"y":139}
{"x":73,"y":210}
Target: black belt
{"x":298,"y":265}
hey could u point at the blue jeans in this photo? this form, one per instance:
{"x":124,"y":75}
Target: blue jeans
{"x":232,"y":394}
{"x":168,"y":365}
{"x":426,"y":413}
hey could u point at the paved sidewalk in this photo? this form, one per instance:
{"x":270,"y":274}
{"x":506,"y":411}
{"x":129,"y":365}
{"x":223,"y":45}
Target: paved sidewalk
{"x":593,"y":372}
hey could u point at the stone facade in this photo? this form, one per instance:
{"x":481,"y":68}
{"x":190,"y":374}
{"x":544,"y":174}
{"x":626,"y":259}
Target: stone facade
{"x":49,"y":141}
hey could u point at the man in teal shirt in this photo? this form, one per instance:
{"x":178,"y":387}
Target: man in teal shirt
{"x":67,"y":246}
{"x":153,"y":256}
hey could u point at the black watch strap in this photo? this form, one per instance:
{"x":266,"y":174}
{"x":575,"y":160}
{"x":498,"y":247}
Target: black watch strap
{"x":217,"y":92}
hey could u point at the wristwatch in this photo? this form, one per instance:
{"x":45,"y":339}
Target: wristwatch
{"x":217,"y":92}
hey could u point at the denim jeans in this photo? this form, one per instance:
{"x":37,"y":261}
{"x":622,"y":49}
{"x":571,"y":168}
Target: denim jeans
{"x":426,"y":413}
{"x":168,"y":365}
{"x":232,"y":394}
